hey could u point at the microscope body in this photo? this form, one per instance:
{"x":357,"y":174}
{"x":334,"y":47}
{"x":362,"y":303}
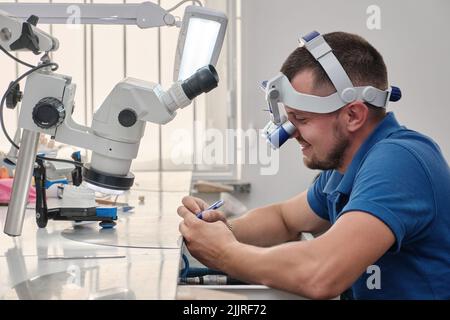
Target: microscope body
{"x":122,"y":118}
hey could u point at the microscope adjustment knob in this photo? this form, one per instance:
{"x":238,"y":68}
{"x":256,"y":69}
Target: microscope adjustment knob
{"x":127,"y":117}
{"x":48,"y":113}
{"x":14,"y":96}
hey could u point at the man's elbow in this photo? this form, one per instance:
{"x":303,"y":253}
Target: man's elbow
{"x":308,"y":287}
{"x":319,"y":286}
{"x":322,"y":292}
{"x":312,"y":278}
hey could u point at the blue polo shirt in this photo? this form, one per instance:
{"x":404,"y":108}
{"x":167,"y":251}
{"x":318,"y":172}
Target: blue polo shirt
{"x":401,"y":177}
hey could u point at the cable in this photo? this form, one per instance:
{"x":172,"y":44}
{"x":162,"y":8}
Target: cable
{"x":75,"y":163}
{"x":180,"y":3}
{"x":16,"y":59}
{"x":203,"y":271}
{"x":185,"y":271}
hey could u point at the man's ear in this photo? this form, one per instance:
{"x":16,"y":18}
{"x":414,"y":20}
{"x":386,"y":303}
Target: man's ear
{"x":355,"y":115}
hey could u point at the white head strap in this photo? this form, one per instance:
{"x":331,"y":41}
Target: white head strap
{"x":280,"y":90}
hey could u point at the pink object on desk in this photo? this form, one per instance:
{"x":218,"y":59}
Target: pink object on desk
{"x":6,"y":189}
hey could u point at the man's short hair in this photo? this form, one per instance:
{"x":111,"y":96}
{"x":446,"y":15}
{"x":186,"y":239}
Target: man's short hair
{"x":362,"y":62}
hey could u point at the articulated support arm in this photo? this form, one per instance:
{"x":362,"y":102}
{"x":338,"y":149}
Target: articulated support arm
{"x":144,"y":15}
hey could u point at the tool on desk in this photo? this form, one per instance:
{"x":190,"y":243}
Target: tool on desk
{"x":212,"y":279}
{"x":123,"y":206}
{"x":212,"y":187}
{"x":111,"y":202}
{"x":214,"y":206}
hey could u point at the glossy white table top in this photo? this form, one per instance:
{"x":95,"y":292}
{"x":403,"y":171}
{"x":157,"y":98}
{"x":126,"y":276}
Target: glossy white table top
{"x":138,"y":259}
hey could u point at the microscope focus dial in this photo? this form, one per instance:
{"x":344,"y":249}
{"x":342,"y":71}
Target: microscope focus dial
{"x":48,"y":113}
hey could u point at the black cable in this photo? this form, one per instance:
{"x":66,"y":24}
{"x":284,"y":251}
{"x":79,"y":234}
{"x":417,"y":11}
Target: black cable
{"x":2,"y":123}
{"x":75,"y":163}
{"x":16,"y":59}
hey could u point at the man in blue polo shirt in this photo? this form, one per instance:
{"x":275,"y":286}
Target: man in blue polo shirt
{"x":381,"y":205}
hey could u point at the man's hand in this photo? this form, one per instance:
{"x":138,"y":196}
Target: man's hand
{"x":193,"y":204}
{"x":207,"y":242}
{"x":196,"y":205}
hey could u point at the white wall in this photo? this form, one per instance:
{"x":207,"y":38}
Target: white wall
{"x":415,"y":44}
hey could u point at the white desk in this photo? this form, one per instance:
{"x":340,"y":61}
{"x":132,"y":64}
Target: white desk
{"x":138,"y":259}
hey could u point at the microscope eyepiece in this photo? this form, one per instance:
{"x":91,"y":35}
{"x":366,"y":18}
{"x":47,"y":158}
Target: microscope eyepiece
{"x":203,"y":80}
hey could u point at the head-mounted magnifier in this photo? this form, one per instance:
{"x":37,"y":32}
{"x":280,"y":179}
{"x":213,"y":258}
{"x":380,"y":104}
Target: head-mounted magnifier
{"x":280,"y":93}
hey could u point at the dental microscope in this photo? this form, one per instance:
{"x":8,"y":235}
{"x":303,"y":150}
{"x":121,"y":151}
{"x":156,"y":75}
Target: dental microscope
{"x":47,"y":101}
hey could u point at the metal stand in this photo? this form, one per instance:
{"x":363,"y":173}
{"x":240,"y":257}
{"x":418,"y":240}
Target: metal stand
{"x":21,"y":184}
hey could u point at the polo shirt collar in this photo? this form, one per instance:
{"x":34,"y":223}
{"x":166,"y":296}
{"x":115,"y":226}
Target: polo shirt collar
{"x":343,"y":183}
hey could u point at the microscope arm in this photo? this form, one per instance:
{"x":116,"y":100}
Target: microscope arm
{"x":18,"y":30}
{"x":144,"y":15}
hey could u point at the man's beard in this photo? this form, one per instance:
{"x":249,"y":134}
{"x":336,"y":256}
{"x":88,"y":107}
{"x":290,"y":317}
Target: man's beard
{"x":335,"y":156}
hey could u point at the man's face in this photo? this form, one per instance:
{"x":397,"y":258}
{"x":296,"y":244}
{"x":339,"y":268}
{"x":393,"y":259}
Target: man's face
{"x":322,"y":138}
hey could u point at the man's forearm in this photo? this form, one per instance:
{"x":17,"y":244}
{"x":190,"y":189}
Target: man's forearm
{"x":276,"y":267}
{"x":262,"y":227}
